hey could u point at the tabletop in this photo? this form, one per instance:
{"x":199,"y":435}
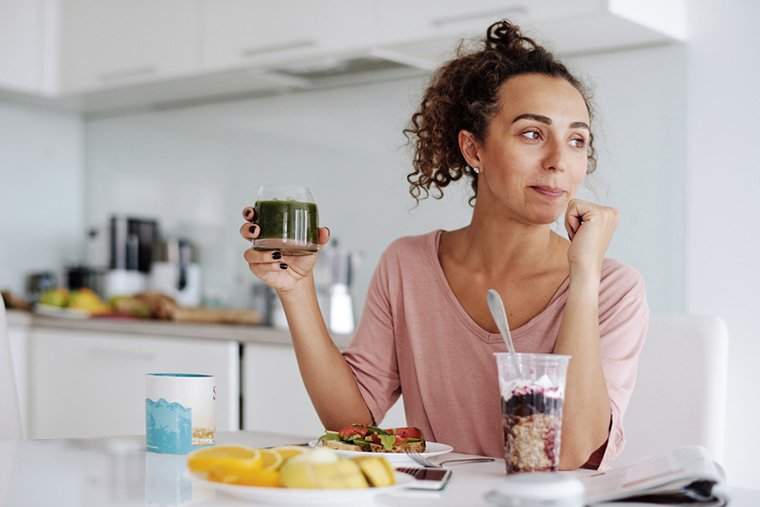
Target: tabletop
{"x":116,"y":471}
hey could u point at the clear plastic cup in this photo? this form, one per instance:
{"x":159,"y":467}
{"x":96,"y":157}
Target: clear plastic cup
{"x":532,"y":390}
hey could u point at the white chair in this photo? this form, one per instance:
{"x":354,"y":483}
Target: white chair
{"x":680,"y":394}
{"x":10,"y":425}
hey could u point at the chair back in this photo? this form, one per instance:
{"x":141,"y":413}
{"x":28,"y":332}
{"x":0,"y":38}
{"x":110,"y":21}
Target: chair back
{"x":680,"y":394}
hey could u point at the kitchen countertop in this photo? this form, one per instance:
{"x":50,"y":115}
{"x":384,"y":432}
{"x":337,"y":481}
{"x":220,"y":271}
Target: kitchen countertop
{"x":239,"y":333}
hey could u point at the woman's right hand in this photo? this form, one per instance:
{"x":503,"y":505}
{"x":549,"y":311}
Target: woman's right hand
{"x":281,"y":272}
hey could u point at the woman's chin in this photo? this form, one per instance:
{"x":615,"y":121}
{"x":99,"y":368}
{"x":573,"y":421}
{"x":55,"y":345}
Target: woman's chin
{"x":544,"y":218}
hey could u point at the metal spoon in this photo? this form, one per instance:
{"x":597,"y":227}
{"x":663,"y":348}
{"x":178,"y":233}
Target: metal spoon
{"x":496,"y":306}
{"x":499,"y":314}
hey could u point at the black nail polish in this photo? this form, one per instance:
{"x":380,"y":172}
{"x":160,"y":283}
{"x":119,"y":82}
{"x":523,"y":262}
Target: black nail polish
{"x":252,"y":229}
{"x":329,"y":233}
{"x":283,"y":265}
{"x":276,"y":255}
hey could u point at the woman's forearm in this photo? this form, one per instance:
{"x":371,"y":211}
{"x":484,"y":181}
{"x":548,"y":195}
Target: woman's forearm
{"x":586,"y":411}
{"x":328,"y":379}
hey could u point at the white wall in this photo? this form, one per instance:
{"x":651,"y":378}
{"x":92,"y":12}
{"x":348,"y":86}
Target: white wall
{"x":723,"y":204}
{"x":41,"y":191}
{"x":202,"y":165}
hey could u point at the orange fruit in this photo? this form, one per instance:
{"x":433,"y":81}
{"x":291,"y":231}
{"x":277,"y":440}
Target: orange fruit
{"x":226,"y":463}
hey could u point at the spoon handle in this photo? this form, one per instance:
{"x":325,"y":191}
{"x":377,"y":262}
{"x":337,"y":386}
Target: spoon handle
{"x":499,"y":314}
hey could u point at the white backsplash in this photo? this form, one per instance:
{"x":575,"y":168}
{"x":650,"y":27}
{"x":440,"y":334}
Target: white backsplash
{"x":41,"y":192}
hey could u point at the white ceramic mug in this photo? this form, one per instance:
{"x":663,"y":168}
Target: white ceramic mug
{"x":179,"y":412}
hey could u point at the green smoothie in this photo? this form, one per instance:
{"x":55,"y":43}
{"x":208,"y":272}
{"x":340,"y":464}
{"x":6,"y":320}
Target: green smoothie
{"x":287,"y":225}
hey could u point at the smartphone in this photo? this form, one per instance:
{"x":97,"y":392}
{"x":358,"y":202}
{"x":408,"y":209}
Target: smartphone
{"x":427,"y":478}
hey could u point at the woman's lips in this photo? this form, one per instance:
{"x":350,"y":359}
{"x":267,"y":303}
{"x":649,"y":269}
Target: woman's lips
{"x":548,"y":191}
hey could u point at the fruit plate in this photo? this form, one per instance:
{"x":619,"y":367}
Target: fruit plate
{"x":293,"y":496}
{"x":431,"y":449}
{"x":57,"y":311}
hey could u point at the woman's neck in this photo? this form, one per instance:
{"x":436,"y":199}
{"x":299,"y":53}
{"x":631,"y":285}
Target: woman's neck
{"x":503,"y":246}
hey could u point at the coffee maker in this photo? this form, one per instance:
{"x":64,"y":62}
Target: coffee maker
{"x":131,"y":244}
{"x":176,"y":271}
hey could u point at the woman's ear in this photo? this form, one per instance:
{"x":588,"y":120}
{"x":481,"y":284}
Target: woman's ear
{"x":470,"y":149}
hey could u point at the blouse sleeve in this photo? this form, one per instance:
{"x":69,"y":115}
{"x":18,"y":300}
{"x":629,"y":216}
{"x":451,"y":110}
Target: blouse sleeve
{"x":372,"y":352}
{"x":623,"y":325}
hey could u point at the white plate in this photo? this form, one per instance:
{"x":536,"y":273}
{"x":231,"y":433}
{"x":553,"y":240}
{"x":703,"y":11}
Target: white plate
{"x":431,"y":449}
{"x":293,"y":496}
{"x":57,"y":311}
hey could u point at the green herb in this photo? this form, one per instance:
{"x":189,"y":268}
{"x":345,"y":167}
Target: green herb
{"x":379,"y":431}
{"x":388,"y":441}
{"x":330,"y":435}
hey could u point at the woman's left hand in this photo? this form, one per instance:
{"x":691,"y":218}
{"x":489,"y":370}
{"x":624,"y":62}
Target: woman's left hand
{"x":590,"y":228}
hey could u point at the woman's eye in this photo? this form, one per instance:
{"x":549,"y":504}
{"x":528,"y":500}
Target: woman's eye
{"x":533,"y":135}
{"x":578,"y":142}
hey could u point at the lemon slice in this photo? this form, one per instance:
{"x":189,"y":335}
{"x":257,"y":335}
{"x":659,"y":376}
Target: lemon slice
{"x":271,"y":459}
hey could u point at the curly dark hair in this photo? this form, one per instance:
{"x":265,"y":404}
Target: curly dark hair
{"x":464,"y":95}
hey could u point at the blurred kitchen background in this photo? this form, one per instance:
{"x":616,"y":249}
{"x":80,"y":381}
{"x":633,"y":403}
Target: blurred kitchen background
{"x":128,"y":124}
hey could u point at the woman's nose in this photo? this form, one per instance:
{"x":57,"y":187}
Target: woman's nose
{"x":555,"y":157}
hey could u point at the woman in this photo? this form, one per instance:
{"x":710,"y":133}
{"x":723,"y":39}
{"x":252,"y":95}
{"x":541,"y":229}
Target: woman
{"x":516,"y":123}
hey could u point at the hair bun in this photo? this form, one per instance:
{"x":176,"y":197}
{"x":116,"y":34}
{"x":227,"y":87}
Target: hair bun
{"x":506,"y":36}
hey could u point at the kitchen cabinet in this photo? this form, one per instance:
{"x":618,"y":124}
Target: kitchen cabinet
{"x":102,"y":55}
{"x":238,"y":33}
{"x":111,"y":43}
{"x":27,"y":29}
{"x":275,"y":397}
{"x":425,"y":34}
{"x":88,"y":384}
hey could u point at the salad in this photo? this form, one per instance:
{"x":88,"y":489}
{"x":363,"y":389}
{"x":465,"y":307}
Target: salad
{"x":365,"y":438}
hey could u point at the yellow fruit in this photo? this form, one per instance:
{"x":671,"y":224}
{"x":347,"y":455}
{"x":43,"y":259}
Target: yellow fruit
{"x":261,"y":478}
{"x":226,"y":463}
{"x":317,"y":470}
{"x":55,"y":297}
{"x":377,"y":470}
{"x":87,"y":300}
{"x":271,"y":459}
{"x":289,"y":451}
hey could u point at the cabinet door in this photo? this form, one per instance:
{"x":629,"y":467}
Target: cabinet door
{"x":274,"y":396}
{"x":108,"y":43}
{"x":20,"y":45}
{"x":239,"y":33}
{"x":88,"y":384}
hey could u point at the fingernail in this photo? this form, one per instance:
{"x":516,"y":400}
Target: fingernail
{"x":252,"y":229}
{"x":329,"y":232}
{"x":276,"y":255}
{"x":283,"y":265}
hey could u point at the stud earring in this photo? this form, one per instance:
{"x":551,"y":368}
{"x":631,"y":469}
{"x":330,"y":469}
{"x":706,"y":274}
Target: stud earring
{"x":476,"y":169}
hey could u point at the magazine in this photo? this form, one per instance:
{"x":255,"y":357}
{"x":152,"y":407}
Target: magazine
{"x":686,"y":475}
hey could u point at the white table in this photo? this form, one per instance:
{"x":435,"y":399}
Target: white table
{"x":117,"y":472}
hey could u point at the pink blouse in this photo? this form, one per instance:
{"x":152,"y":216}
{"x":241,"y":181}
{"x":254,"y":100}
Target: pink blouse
{"x":415,"y":338}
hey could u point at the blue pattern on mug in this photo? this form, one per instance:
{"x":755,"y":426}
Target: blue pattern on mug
{"x":168,"y":427}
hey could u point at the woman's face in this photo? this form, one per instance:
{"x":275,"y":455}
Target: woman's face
{"x":535,"y":152}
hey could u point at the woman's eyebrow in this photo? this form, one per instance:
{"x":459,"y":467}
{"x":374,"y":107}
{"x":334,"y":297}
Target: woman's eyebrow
{"x":533,"y":116}
{"x":545,"y":119}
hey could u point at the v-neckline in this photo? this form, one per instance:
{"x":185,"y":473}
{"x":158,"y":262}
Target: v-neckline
{"x":519,"y":333}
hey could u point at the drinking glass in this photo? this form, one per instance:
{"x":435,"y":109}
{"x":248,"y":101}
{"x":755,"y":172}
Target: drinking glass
{"x":288,"y":220}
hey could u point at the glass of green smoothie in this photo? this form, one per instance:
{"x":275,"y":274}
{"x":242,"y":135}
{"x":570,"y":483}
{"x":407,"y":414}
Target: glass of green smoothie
{"x":287,"y":216}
